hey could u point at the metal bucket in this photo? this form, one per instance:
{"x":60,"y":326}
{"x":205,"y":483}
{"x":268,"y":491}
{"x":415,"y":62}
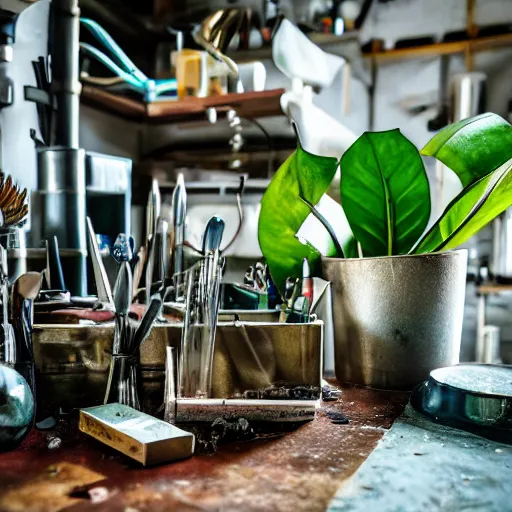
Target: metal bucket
{"x":72,"y":361}
{"x":396,"y":318}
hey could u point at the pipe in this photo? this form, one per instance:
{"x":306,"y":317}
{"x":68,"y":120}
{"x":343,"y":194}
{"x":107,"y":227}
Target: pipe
{"x":65,"y":18}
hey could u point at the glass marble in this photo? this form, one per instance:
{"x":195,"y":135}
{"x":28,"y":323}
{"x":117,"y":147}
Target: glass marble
{"x":16,"y":408}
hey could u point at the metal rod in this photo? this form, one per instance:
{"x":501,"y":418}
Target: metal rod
{"x":480,"y":327}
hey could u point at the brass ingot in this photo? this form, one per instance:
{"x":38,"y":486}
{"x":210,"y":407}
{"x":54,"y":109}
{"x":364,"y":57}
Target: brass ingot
{"x":137,"y":435}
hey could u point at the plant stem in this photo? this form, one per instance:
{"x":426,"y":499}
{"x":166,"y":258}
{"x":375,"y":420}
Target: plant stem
{"x":326,"y":225}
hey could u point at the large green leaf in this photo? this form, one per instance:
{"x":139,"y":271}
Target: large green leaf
{"x":385,"y":193}
{"x":470,"y":211}
{"x":283,"y":212}
{"x":474,"y":147}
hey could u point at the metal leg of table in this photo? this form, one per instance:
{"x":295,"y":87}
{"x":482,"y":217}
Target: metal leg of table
{"x":480,"y":324}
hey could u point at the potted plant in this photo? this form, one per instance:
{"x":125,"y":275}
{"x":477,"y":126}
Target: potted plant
{"x":398,"y":291}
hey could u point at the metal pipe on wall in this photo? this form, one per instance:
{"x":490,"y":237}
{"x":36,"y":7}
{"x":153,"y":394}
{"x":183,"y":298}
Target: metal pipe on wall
{"x":64,"y":48}
{"x":60,"y":206}
{"x":59,"y":203}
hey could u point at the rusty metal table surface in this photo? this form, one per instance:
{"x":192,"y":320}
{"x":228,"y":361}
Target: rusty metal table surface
{"x":294,"y":471}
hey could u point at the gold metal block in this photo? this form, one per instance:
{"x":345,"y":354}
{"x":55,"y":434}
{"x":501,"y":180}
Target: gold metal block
{"x":137,"y":435}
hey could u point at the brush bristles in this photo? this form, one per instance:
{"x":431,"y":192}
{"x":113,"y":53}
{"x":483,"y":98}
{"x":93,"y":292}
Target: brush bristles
{"x":13,"y":207}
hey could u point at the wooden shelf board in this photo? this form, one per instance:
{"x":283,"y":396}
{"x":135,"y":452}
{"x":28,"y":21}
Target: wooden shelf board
{"x":347,"y":46}
{"x":491,"y":288}
{"x":250,"y":104}
{"x":264,"y":103}
{"x":471,"y":45}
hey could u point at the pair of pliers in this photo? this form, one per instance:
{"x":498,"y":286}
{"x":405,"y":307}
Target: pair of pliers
{"x":122,"y":66}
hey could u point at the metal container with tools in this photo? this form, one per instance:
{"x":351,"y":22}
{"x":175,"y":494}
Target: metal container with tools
{"x":251,"y":358}
{"x":59,"y":209}
{"x":396,"y":318}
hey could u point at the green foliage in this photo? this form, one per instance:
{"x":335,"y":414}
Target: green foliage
{"x":470,"y":211}
{"x":282,"y":213}
{"x":385,"y":194}
{"x":474,"y":147}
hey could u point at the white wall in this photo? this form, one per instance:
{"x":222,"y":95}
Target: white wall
{"x":17,"y":149}
{"x":112,"y":135}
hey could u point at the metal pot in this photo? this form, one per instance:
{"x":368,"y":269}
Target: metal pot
{"x":396,"y":318}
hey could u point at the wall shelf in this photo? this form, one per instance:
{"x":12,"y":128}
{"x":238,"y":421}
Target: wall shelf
{"x":265,"y":103}
{"x":494,"y":288}
{"x":250,"y":105}
{"x":468,"y":46}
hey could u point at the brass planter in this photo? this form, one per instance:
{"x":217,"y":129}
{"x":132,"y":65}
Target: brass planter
{"x":396,"y":318}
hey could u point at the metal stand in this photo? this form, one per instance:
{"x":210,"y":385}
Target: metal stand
{"x":480,"y":325}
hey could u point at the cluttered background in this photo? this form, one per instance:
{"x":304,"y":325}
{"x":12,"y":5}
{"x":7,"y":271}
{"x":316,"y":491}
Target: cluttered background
{"x":416,"y":64}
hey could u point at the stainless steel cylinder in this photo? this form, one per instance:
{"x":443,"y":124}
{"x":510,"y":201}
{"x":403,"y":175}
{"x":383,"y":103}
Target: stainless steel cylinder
{"x":396,"y":318}
{"x":59,"y":209}
{"x":491,"y":349}
{"x":468,"y":95}
{"x":501,"y":256}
